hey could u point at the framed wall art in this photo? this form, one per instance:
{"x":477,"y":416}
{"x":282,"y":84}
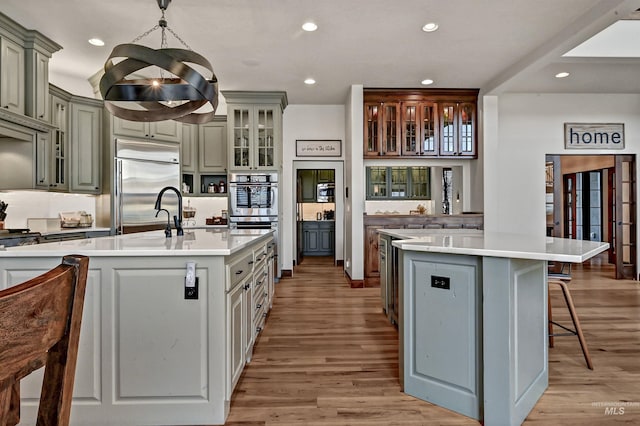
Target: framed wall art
{"x":318,"y":148}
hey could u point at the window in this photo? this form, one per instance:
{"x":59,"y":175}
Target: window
{"x":398,"y":183}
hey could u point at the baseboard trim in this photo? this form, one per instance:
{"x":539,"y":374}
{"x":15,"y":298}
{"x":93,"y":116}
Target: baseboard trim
{"x":354,"y":283}
{"x":286,"y":273}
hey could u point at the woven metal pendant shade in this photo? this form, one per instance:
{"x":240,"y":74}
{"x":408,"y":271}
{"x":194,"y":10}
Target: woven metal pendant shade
{"x":178,"y":97}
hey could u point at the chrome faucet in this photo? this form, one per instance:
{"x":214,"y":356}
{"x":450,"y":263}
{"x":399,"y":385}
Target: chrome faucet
{"x":176,"y":219}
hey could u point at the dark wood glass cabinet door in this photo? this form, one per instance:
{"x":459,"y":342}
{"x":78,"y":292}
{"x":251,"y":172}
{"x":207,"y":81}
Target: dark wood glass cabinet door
{"x":391,"y":129}
{"x":429,"y":128}
{"x":448,"y":131}
{"x":457,"y":129}
{"x":410,"y":129}
{"x":372,"y":125}
{"x":466,"y":119}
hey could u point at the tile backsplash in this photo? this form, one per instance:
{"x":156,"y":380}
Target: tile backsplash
{"x":37,"y":204}
{"x":398,"y":207}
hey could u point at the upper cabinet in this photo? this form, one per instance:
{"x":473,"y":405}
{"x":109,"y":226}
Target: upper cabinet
{"x":86,"y":128}
{"x":254,"y":129}
{"x":12,"y":76}
{"x":427,"y":122}
{"x":52,"y":166}
{"x":24,"y":70}
{"x":212,"y":147}
{"x":168,"y":130}
{"x":203,"y":152}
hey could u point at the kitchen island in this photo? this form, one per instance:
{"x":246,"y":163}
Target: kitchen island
{"x":153,"y":350}
{"x":473,"y":318}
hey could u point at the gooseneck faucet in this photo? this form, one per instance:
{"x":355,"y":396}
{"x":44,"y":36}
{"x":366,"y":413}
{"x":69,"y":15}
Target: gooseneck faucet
{"x":176,"y":219}
{"x":167,"y":229}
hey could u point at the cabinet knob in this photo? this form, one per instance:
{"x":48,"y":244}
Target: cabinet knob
{"x":258,"y":306}
{"x":5,"y":106}
{"x":258,"y":329}
{"x":41,"y":116}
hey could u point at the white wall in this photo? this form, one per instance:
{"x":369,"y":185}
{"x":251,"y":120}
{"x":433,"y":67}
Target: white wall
{"x":305,"y":122}
{"x":519,"y":129}
{"x":354,"y":181}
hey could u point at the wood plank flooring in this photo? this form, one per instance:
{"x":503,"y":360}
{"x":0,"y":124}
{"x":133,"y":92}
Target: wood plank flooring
{"x":328,"y":356}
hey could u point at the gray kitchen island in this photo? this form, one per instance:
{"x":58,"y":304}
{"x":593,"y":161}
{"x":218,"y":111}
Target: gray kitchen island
{"x":154,"y":350}
{"x":473,"y":318}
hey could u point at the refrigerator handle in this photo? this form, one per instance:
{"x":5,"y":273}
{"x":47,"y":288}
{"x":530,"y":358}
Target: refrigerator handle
{"x":118,"y":194}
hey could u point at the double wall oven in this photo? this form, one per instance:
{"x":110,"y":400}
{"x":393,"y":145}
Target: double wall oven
{"x":253,"y":200}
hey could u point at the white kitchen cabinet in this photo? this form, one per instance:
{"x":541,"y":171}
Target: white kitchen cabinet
{"x":59,"y":163}
{"x":86,"y":128}
{"x":167,"y":130}
{"x":37,"y":87}
{"x":189,"y":148}
{"x":235,"y":335}
{"x":12,"y":76}
{"x":254,"y":129}
{"x":204,"y":156}
{"x":43,"y":160}
{"x":212,"y":144}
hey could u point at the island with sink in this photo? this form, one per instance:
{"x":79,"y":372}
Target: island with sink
{"x":472,"y":317}
{"x":156,"y":347}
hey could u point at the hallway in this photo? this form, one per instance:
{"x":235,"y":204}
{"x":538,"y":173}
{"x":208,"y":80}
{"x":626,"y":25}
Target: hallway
{"x":328,"y":356}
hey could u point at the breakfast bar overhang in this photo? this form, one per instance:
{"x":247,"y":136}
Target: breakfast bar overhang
{"x":473,"y":310}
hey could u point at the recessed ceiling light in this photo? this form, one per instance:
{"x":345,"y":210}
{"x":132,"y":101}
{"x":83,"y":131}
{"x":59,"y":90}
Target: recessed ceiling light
{"x":430,"y":27}
{"x":309,"y":81}
{"x":426,"y":82}
{"x":562,"y":74}
{"x":309,"y":26}
{"x":96,"y":42}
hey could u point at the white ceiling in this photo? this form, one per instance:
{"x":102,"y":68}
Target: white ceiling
{"x":493,"y":45}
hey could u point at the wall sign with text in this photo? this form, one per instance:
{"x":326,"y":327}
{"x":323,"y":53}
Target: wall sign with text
{"x":318,"y":148}
{"x":594,"y":135}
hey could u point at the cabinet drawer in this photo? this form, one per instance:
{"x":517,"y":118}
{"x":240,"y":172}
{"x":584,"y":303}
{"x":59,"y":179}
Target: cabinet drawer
{"x":239,"y":269}
{"x":260,"y":254}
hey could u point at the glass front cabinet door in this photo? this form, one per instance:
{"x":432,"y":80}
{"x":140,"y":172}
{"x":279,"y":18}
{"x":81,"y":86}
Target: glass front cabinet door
{"x":457,"y":129}
{"x":254,"y":129}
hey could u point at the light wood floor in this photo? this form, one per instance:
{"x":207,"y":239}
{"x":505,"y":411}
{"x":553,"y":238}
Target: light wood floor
{"x":328,"y":356}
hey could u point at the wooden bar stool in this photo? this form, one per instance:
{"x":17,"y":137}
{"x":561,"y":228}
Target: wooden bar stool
{"x":40,"y":326}
{"x":577,"y":329}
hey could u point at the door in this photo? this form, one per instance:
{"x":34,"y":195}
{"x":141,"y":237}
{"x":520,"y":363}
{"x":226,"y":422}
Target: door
{"x":625,"y":213}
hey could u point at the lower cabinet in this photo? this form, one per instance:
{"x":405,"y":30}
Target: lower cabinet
{"x":235,"y":334}
{"x":318,"y":238}
{"x":248,"y":300}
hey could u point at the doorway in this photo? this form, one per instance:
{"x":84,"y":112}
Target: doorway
{"x":592,"y":197}
{"x":318,"y":214}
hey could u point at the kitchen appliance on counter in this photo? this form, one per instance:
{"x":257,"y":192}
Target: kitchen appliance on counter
{"x":325,"y":193}
{"x":142,"y":170}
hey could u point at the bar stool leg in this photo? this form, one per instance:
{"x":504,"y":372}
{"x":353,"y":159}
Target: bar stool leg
{"x":550,"y":318}
{"x":576,"y":322}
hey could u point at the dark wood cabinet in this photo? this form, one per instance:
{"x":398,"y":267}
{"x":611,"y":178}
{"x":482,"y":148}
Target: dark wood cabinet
{"x":382,"y":129}
{"x":420,"y":122}
{"x":374,"y":222}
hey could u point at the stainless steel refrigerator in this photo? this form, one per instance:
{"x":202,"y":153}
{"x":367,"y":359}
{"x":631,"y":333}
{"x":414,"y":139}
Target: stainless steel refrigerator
{"x":142,"y":169}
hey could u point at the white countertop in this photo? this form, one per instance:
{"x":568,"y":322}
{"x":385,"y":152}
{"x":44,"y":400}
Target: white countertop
{"x":195,"y":242}
{"x":494,"y":244}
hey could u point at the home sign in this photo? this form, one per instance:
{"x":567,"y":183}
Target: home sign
{"x":594,"y":135}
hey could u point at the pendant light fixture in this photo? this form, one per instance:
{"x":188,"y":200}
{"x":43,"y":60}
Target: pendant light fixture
{"x":178,"y":96}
